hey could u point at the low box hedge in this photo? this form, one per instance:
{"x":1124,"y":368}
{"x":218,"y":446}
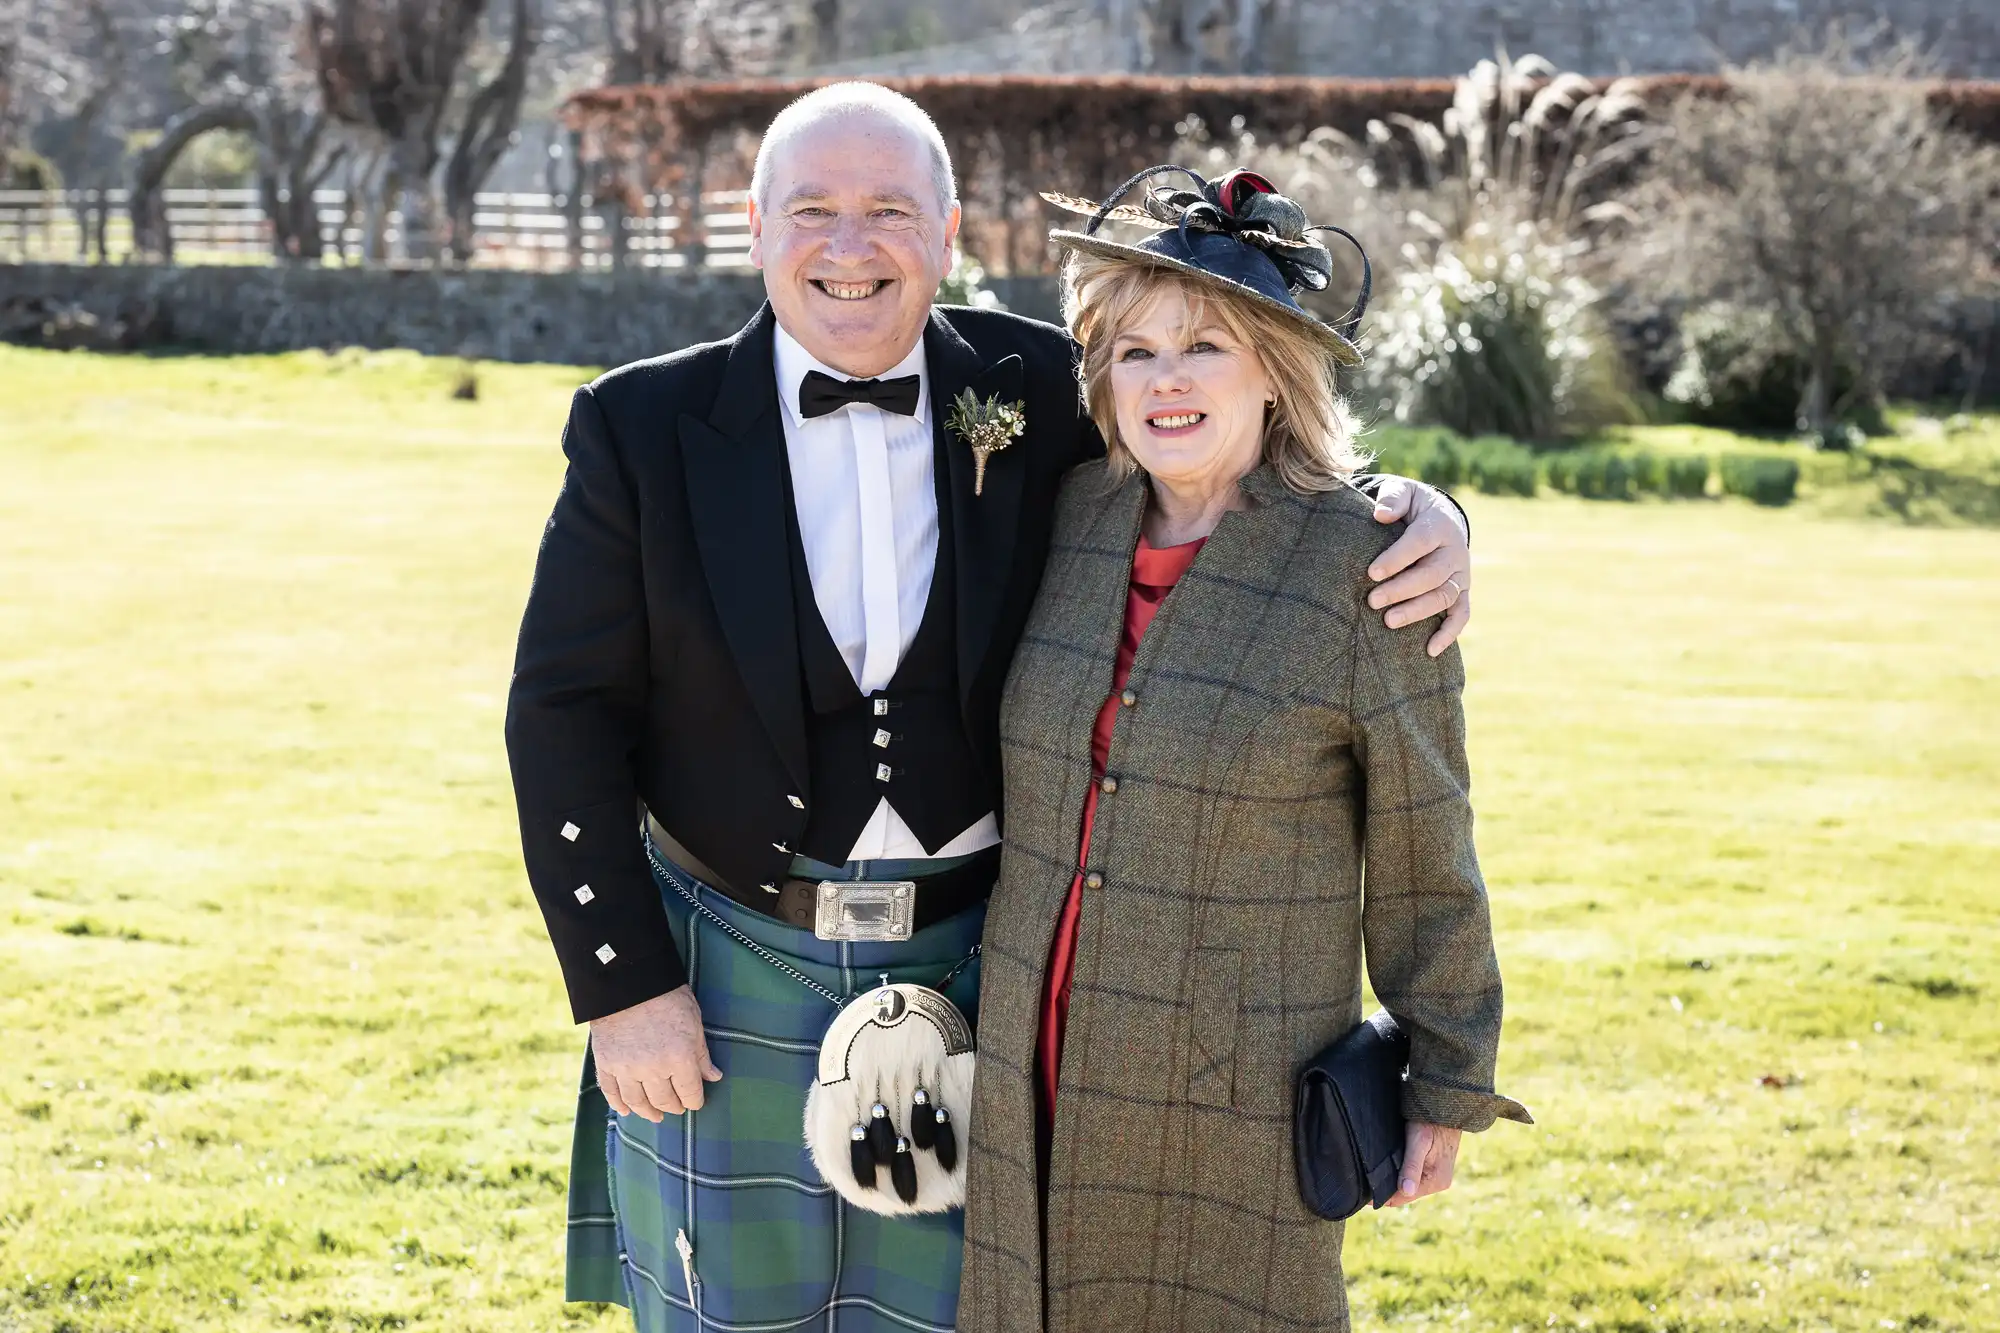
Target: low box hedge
{"x":1760,"y":477}
{"x":1497,"y":465}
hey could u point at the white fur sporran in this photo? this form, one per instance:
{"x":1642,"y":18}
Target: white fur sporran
{"x":885,"y":1121}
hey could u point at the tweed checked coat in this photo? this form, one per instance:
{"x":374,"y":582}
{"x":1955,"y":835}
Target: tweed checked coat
{"x":1275,"y":736}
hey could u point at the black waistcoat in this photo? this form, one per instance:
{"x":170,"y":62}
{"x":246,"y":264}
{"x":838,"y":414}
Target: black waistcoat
{"x":906,"y":743}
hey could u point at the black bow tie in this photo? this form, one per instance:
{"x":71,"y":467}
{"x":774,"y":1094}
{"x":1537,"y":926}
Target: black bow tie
{"x":821,"y":394}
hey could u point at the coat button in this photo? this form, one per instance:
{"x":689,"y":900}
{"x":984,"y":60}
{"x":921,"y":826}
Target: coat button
{"x":584,"y":895}
{"x":882,"y":772}
{"x":1093,"y":880}
{"x":569,"y":831}
{"x":768,"y":888}
{"x":882,"y":738}
{"x":605,"y":953}
{"x":1108,"y":786}
{"x":797,"y":804}
{"x":1128,"y":698}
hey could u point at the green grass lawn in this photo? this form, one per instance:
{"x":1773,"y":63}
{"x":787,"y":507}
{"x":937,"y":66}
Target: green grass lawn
{"x":282,"y":1044}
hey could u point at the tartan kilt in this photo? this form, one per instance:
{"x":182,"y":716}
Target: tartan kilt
{"x":775,"y":1249}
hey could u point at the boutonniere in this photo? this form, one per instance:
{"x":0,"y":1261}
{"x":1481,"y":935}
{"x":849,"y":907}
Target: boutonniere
{"x":988,"y":427}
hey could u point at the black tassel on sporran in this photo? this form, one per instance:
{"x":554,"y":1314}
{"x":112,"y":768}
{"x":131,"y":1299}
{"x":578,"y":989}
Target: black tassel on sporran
{"x":881,"y":1133}
{"x":903,"y":1171}
{"x":862,"y":1155}
{"x":947,"y":1141}
{"x":923,"y":1126}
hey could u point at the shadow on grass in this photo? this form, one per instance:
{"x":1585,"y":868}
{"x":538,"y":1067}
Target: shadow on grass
{"x":1923,"y":495}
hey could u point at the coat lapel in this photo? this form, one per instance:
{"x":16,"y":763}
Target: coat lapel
{"x":983,"y":526}
{"x":735,"y":464}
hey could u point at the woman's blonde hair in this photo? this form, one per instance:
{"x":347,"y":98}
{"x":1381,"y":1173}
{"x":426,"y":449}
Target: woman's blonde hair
{"x":1309,"y":435}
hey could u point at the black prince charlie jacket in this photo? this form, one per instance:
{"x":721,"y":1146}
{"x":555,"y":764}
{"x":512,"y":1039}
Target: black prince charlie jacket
{"x":658,"y":659}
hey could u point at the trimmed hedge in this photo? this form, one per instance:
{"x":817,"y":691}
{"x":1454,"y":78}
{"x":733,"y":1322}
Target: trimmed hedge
{"x":1686,"y":477}
{"x":1598,"y":474}
{"x":1012,"y":135}
{"x":1493,"y":464}
{"x":1760,"y":477}
{"x":1107,"y":122}
{"x":1102,"y":127}
{"x":1496,"y":465}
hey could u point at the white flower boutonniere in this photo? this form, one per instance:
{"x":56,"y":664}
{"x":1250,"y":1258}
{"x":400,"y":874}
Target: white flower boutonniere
{"x":988,"y":427}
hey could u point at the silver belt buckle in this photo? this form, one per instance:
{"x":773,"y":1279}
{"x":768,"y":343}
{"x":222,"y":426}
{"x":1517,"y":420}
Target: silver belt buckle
{"x":866,"y":909}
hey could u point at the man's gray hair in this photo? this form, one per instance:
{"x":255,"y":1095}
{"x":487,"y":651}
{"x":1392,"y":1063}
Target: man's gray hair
{"x":849,"y":101}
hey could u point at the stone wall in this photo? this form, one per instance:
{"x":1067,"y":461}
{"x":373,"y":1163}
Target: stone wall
{"x":570,"y":318}
{"x":584,"y":319}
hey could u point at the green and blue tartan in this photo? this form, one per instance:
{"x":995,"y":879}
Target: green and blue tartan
{"x":775,"y":1249}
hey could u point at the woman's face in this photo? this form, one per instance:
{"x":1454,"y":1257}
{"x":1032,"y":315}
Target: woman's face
{"x":1190,"y":396}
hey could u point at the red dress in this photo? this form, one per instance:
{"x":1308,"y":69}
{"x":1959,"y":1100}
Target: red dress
{"x":1155,"y":570}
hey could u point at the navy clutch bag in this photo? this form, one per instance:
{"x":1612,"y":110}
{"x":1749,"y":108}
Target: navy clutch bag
{"x":1347,"y":1127}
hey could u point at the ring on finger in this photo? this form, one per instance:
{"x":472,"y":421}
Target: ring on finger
{"x":1456,"y":591}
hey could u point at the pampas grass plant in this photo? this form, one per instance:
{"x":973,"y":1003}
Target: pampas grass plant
{"x":1483,"y":230}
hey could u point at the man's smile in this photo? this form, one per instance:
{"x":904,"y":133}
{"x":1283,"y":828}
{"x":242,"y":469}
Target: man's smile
{"x":851,"y":291}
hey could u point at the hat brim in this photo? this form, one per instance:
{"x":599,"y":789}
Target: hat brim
{"x":1338,"y":347}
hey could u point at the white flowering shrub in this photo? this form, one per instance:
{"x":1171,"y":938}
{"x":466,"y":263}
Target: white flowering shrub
{"x":1494,"y":335}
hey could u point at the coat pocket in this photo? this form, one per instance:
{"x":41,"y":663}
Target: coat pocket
{"x":1216,"y":981}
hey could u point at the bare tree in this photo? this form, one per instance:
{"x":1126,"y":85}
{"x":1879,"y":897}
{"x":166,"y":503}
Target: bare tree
{"x":1828,"y":194}
{"x":70,"y":68}
{"x":646,"y":39}
{"x":826,"y":30}
{"x":1203,"y":36}
{"x":388,"y":68}
{"x":487,"y":130}
{"x":12,"y":24}
{"x":743,"y":39}
{"x":660,"y":41}
{"x":293,"y":161}
{"x":108,"y":70}
{"x":236,"y":61}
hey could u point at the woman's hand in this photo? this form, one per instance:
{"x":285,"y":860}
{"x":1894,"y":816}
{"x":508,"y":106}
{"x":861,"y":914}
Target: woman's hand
{"x":1429,"y":1153}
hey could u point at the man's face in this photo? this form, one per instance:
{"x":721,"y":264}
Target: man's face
{"x":854,"y":243}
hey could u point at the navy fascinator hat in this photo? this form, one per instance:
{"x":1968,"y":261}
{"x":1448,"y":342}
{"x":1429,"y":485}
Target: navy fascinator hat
{"x":1236,"y":234}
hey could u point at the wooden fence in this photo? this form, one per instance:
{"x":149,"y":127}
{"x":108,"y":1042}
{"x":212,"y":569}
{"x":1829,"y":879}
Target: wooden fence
{"x":513,"y":230}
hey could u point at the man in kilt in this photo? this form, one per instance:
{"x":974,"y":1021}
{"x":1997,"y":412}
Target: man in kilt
{"x":760,"y":670}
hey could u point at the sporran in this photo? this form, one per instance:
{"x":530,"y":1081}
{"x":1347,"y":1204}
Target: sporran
{"x":895,"y":1082}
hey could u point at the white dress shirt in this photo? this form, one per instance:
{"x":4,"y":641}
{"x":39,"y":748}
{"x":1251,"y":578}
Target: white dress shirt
{"x":864,"y":485}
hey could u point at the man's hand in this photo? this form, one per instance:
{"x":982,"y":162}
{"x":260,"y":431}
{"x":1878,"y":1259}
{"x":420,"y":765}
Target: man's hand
{"x":1429,"y":569}
{"x":652,"y":1059}
{"x":1429,"y":1154}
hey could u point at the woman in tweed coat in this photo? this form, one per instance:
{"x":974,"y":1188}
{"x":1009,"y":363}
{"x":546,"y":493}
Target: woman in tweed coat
{"x":1233,"y":754}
